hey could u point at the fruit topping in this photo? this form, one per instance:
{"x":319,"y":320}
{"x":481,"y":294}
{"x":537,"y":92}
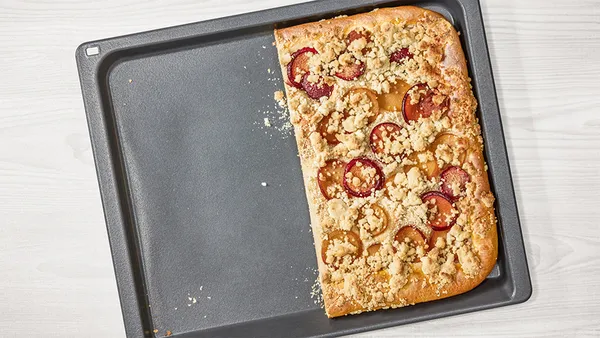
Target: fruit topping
{"x":330,"y":178}
{"x":351,"y":71}
{"x":426,"y":162}
{"x":454,"y":180}
{"x":434,"y":237}
{"x":357,"y":96}
{"x":298,"y":66}
{"x":316,"y":90}
{"x":331,"y":125}
{"x":385,"y":142}
{"x":442,"y":214}
{"x":373,"y":218}
{"x":339,"y":247}
{"x":392,"y":101}
{"x":401,"y":55}
{"x":422,"y":101}
{"x":362,"y":177}
{"x":411,"y":233}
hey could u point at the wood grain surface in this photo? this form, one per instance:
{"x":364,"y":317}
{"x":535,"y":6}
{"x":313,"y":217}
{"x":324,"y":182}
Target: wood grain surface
{"x":57,"y":276}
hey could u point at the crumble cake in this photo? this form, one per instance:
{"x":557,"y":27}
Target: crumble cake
{"x":392,"y":158}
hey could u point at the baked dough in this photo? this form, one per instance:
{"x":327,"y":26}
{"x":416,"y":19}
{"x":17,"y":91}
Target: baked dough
{"x":392,"y":158}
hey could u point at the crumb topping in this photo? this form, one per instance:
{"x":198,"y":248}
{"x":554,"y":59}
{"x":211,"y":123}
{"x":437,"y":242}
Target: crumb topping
{"x":373,"y":219}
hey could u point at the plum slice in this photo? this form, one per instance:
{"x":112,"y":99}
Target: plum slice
{"x":401,"y":55}
{"x":373,"y":249}
{"x":351,"y":71}
{"x":425,"y":105}
{"x":357,"y":68}
{"x":329,"y":127}
{"x":342,"y":236}
{"x":427,"y":164}
{"x":434,"y":236}
{"x":371,"y":95}
{"x":316,"y":90}
{"x":379,"y":213}
{"x":456,"y":143}
{"x":412,"y":233}
{"x":392,"y":101}
{"x":454,"y":180}
{"x":354,"y":35}
{"x":330,"y":178}
{"x":384,"y":141}
{"x":299,"y":65}
{"x":362,"y":177}
{"x":444,"y":215}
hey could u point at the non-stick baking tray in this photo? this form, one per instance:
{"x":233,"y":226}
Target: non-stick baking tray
{"x":200,"y":246}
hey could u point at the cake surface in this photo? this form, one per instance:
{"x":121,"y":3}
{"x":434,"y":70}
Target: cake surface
{"x":392,"y":158}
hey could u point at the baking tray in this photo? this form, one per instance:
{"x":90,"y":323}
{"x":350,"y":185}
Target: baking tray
{"x":200,"y":246}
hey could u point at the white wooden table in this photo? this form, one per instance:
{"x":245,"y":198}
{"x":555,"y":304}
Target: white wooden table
{"x":56,"y":273}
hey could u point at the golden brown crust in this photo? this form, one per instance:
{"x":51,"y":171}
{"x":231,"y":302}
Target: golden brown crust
{"x":408,"y":14}
{"x":477,"y":205}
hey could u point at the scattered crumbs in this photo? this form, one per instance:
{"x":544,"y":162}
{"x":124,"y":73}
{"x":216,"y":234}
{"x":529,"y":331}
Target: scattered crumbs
{"x":189,"y":298}
{"x":245,"y":67}
{"x":264,"y":184}
{"x":208,"y":297}
{"x":264,"y":47}
{"x":189,"y":305}
{"x":155,"y":330}
{"x":277,"y":119}
{"x":276,"y":116}
{"x":175,"y":309}
{"x":194,"y":300}
{"x":201,"y":286}
{"x":296,"y":297}
{"x":169,"y":333}
{"x":280,"y":98}
{"x":273,"y":43}
{"x":204,"y":316}
{"x":315,"y":293}
{"x":130,"y":80}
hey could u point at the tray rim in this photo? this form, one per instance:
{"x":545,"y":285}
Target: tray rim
{"x":91,"y":68}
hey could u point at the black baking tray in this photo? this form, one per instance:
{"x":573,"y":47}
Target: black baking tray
{"x":200,"y":246}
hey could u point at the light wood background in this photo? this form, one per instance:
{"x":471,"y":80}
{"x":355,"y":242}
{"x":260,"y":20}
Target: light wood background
{"x":56,"y":275}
